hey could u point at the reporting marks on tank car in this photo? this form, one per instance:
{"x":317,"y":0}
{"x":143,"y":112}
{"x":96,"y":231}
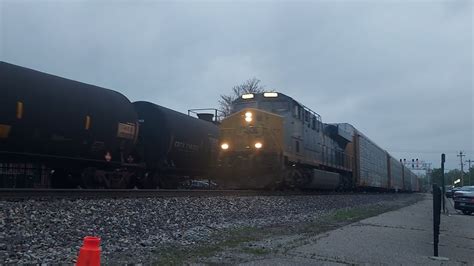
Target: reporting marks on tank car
{"x":126,"y":130}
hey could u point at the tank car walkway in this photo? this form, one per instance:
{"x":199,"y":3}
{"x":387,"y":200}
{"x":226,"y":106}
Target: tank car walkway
{"x":402,"y":237}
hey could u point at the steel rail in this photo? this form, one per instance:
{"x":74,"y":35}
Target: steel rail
{"x":25,"y":194}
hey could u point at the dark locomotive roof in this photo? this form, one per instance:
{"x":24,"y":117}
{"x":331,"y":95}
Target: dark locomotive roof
{"x":258,"y":97}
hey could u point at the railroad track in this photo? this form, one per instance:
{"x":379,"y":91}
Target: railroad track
{"x":24,"y":194}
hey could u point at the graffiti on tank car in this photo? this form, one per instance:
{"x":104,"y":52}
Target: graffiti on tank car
{"x":188,"y":147}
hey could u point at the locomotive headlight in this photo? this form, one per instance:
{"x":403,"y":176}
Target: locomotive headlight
{"x":224,"y":146}
{"x":248,"y":116}
{"x":270,"y":94}
{"x":258,"y":145}
{"x":247,"y":96}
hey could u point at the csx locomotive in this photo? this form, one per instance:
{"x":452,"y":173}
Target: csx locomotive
{"x":62,"y":133}
{"x":271,"y":141}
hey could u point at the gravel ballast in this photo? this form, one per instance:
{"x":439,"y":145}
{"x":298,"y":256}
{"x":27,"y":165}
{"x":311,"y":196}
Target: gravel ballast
{"x":132,"y":230}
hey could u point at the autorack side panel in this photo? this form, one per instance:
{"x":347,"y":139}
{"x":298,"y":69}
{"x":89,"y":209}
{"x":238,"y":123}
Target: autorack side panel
{"x":406,"y":179}
{"x":370,"y":166}
{"x":396,"y":174}
{"x":352,"y":163}
{"x":373,"y":164}
{"x":52,"y":116}
{"x":414,"y":182}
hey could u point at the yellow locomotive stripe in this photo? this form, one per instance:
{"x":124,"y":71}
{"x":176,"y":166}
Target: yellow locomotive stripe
{"x":87,"y":125}
{"x":19,"y":110}
{"x":4,"y":131}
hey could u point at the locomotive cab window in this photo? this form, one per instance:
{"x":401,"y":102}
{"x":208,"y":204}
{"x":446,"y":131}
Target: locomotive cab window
{"x":298,"y":111}
{"x":278,"y":107}
{"x":243,"y":105}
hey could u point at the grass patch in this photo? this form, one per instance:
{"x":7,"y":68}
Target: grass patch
{"x":356,"y":214}
{"x":347,"y":216}
{"x":256,"y":251}
{"x":225,"y":240}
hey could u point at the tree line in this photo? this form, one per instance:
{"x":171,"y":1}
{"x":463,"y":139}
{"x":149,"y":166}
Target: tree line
{"x":252,"y":85}
{"x":453,"y":175}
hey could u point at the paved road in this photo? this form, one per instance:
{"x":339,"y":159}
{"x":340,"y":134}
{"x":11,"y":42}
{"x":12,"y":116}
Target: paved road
{"x":402,"y":237}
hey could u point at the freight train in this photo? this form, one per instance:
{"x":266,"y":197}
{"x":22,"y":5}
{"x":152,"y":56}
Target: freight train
{"x":62,"y":133}
{"x":271,"y":141}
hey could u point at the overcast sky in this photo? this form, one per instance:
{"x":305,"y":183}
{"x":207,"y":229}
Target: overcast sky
{"x":400,"y":71}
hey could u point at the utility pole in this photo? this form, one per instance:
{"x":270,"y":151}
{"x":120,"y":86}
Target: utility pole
{"x":460,"y":155}
{"x":469,"y":169}
{"x":443,"y":186}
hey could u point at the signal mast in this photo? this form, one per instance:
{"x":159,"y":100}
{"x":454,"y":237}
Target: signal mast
{"x":420,"y":165}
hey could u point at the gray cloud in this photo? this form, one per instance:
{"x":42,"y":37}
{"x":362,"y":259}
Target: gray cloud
{"x":400,"y":71}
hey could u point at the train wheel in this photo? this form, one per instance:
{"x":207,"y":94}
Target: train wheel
{"x":149,"y":181}
{"x":117,"y":180}
{"x":292,"y":177}
{"x":61,"y":179}
{"x":170,"y":181}
{"x":134,"y":180}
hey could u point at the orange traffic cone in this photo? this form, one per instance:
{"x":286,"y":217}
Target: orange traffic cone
{"x":89,"y":254}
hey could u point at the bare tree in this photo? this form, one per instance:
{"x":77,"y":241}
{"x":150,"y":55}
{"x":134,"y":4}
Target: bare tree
{"x":249,"y":86}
